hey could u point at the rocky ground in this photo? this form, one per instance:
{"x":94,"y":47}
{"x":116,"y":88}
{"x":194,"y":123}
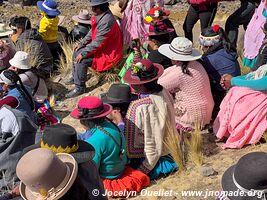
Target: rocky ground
{"x":191,"y":179}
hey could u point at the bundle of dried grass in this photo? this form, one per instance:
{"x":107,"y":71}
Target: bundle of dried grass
{"x":195,"y":146}
{"x":33,"y":55}
{"x":65,"y":60}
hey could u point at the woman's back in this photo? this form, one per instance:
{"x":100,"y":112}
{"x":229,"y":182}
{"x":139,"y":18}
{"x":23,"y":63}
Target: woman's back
{"x":193,"y":98}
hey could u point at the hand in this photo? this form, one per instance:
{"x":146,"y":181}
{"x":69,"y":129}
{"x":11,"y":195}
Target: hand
{"x":79,"y":58}
{"x":226,"y":81}
{"x":76,"y":46}
{"x":15,"y":192}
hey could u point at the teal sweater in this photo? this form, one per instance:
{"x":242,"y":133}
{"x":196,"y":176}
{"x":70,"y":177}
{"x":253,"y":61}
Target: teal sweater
{"x":260,"y":84}
{"x":107,"y":153}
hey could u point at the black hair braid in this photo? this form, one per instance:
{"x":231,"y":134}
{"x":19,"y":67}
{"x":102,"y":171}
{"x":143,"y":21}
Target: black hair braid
{"x":14,"y":78}
{"x":185,"y":69}
{"x":225,"y":41}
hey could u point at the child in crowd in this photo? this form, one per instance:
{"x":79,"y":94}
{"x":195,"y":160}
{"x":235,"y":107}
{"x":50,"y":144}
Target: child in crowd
{"x":109,"y":144}
{"x":188,"y":82}
{"x":81,"y":29}
{"x":149,"y":120}
{"x":219,"y":58}
{"x":48,"y":27}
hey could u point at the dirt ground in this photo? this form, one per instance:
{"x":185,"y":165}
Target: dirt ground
{"x":214,"y":156}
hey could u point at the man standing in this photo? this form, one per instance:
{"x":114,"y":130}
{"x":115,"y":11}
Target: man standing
{"x":101,"y":48}
{"x":241,"y":16}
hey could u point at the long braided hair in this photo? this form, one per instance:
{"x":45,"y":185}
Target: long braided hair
{"x":15,"y":79}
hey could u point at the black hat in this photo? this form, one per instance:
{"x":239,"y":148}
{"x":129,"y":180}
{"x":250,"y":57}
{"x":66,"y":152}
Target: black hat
{"x":248,"y":177}
{"x":62,"y":138}
{"x":118,"y":94}
{"x":97,"y":2}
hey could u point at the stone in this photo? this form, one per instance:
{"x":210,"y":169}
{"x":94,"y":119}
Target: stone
{"x":207,"y":171}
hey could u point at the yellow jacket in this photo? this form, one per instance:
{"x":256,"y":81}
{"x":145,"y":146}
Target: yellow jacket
{"x":49,"y":29}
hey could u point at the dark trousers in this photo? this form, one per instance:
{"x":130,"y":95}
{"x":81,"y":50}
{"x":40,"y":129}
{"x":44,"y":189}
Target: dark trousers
{"x":56,"y":51}
{"x":241,"y":16}
{"x":79,"y":70}
{"x":194,"y":14}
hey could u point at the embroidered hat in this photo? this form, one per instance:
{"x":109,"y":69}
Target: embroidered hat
{"x":143,"y":72}
{"x":210,"y":36}
{"x":97,"y":2}
{"x":180,"y":49}
{"x":83,"y":17}
{"x":62,"y":138}
{"x":45,"y":175}
{"x":248,"y":177}
{"x":20,"y":60}
{"x":5,"y":30}
{"x":118,"y":94}
{"x":49,"y":7}
{"x":158,"y":28}
{"x":91,"y":107}
{"x":155,"y":13}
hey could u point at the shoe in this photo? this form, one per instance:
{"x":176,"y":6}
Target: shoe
{"x":69,"y":81}
{"x":75,"y":92}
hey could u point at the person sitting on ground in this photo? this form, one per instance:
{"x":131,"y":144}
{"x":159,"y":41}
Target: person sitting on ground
{"x":119,"y":96}
{"x":83,"y":26}
{"x":158,"y":14}
{"x":6,"y":53}
{"x":109,"y":144}
{"x":250,"y":187}
{"x":16,"y":95}
{"x":188,"y":82}
{"x":48,"y":27}
{"x":17,"y":131}
{"x":45,"y":175}
{"x":98,"y":49}
{"x":62,"y":138}
{"x":242,"y":117}
{"x":20,"y":64}
{"x":219,"y":58}
{"x":149,"y":121}
{"x":30,"y":40}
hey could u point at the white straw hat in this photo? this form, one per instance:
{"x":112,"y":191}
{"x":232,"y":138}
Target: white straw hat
{"x":20,"y":60}
{"x":4,"y":30}
{"x":180,"y":49}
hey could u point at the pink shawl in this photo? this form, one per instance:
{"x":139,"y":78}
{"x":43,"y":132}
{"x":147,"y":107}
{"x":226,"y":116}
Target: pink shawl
{"x":132,"y":24}
{"x":242,"y":118}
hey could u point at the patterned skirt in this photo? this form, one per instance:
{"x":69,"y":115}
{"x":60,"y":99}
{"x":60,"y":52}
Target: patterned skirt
{"x":131,"y":180}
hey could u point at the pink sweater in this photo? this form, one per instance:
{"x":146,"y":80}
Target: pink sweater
{"x":193,"y":98}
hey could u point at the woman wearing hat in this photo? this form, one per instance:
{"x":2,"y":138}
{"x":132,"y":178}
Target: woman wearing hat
{"x":149,"y":120}
{"x":80,"y":30}
{"x":189,"y":83}
{"x":110,"y":150}
{"x":219,"y":58}
{"x":16,"y":95}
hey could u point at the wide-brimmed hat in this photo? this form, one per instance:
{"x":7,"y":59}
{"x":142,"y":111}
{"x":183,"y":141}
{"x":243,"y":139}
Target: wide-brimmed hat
{"x":97,"y":2}
{"x":143,"y":72}
{"x":116,"y":10}
{"x":248,"y":177}
{"x":180,"y":49}
{"x":62,"y":138}
{"x":83,"y":17}
{"x":5,"y":30}
{"x":155,"y":13}
{"x":45,"y":175}
{"x":49,"y":7}
{"x":118,"y":94}
{"x":158,"y":28}
{"x":20,"y":60}
{"x":91,"y":107}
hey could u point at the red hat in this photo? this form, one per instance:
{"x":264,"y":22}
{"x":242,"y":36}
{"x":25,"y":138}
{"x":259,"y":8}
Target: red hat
{"x":91,"y":107}
{"x":143,"y":72}
{"x":155,"y":13}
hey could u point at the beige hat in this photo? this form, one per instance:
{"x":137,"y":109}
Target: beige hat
{"x":45,"y":175}
{"x":20,"y":60}
{"x":4,"y":30}
{"x":83,"y":17}
{"x":116,"y":10}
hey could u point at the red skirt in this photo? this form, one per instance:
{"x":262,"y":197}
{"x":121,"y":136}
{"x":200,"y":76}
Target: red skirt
{"x":131,"y":181}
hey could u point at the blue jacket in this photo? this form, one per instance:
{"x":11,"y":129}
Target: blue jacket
{"x":218,"y":64}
